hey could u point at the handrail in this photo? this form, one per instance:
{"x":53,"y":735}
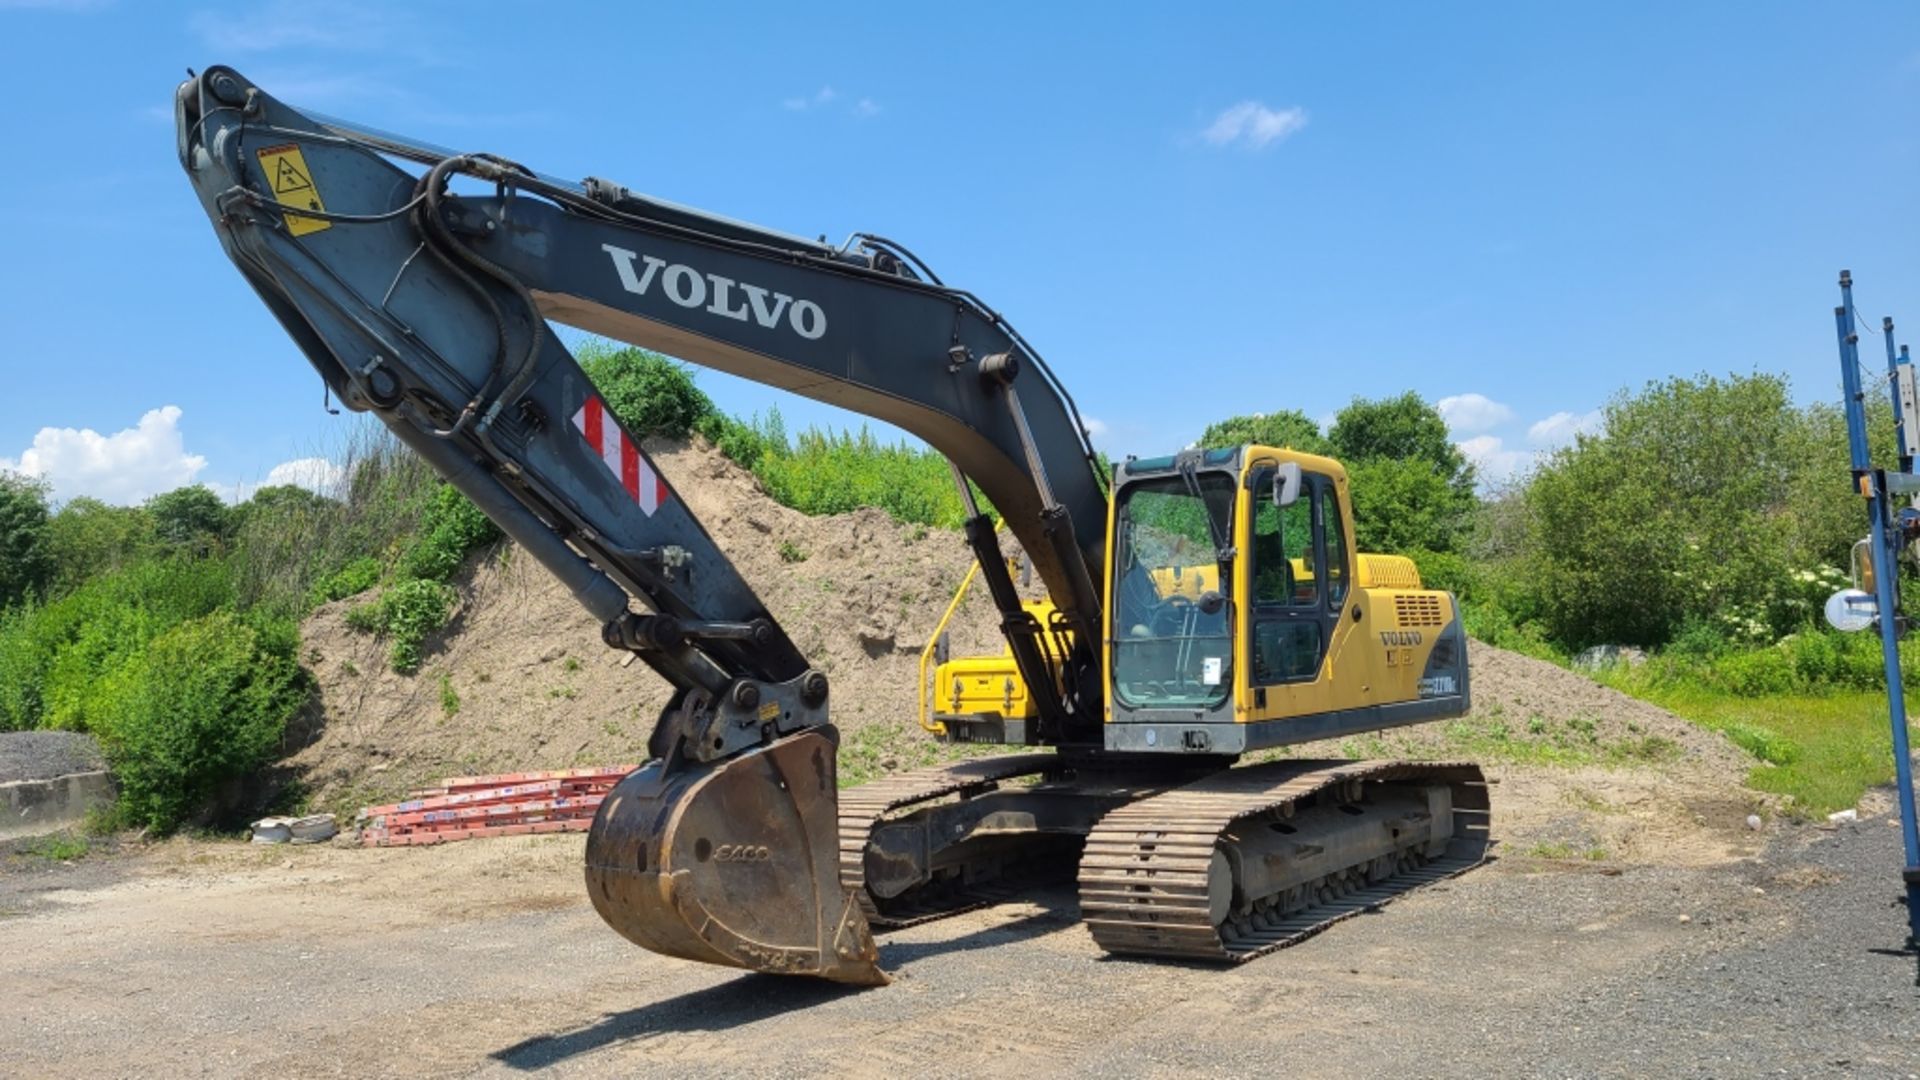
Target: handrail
{"x":933,"y":642}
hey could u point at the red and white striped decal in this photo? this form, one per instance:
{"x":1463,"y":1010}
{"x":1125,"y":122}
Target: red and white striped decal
{"x":620,"y":455}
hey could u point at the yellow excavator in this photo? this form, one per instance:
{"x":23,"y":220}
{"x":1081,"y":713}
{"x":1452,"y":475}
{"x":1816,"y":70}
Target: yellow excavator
{"x":1200,"y":606}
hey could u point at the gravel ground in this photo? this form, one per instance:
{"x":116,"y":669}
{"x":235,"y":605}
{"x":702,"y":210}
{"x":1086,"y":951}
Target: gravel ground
{"x":43,"y":755}
{"x":483,"y":959}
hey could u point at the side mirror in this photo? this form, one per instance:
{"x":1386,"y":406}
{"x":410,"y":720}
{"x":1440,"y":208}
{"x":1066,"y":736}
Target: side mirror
{"x":1863,"y":566}
{"x":1286,"y":484}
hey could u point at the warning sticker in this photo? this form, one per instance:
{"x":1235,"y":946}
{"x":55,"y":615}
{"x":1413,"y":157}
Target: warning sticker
{"x":292,"y":183}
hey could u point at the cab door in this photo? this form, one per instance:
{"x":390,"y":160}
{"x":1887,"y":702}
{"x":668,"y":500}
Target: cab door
{"x":1299,"y":578}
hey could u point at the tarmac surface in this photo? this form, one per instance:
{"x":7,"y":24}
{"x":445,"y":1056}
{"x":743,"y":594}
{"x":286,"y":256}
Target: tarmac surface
{"x":484,"y":959}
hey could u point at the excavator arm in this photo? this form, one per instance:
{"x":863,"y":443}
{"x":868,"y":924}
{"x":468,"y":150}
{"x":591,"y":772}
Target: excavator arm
{"x":429,"y":308}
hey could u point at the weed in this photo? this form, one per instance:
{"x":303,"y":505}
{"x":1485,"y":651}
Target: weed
{"x":883,"y":749}
{"x":570,"y":664}
{"x":449,"y":699}
{"x":1559,"y":851}
{"x":60,"y":847}
{"x":350,"y":667}
{"x":791,"y":553}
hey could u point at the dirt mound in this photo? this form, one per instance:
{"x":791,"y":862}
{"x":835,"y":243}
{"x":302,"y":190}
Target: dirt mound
{"x":1584,"y":773}
{"x":519,"y":679}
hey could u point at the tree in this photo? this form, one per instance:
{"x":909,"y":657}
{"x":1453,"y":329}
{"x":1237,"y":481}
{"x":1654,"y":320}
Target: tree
{"x":193,"y":518}
{"x":1283,"y":428}
{"x":1412,"y":489}
{"x":1698,"y":502}
{"x":1404,"y":507}
{"x":88,"y":538}
{"x":1404,"y":428}
{"x":26,"y":561}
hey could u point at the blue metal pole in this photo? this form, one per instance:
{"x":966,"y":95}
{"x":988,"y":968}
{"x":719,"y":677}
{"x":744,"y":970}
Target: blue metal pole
{"x":1884,"y":568}
{"x":1893,"y":391}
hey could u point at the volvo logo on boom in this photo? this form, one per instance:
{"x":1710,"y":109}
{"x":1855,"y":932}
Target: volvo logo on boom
{"x":691,"y":288}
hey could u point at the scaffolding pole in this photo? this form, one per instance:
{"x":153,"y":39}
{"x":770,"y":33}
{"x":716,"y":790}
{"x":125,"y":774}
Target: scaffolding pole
{"x":1886,"y":538}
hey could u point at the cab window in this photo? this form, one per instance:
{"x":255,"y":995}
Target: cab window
{"x":1336,"y":547}
{"x":1283,"y":557}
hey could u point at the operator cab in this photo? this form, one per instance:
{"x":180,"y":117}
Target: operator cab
{"x":1236,"y":592}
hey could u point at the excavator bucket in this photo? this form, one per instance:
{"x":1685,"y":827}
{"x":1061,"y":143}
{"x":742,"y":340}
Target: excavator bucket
{"x":734,"y":862}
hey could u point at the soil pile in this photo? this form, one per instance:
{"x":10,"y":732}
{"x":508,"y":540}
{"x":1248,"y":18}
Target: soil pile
{"x":519,"y":680}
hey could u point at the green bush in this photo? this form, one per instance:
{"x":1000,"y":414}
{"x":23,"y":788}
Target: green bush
{"x":55,"y":657}
{"x":1761,"y":671}
{"x":747,"y":442}
{"x":651,"y":394}
{"x":407,"y":613}
{"x":26,"y":555}
{"x":1447,"y":571}
{"x":450,"y":528}
{"x":827,"y":473}
{"x":350,"y":580}
{"x":203,"y":704}
{"x":88,"y":538}
{"x":1702,"y":500}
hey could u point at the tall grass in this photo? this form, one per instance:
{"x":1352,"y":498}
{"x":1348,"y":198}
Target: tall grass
{"x":291,"y":556}
{"x":839,"y":472}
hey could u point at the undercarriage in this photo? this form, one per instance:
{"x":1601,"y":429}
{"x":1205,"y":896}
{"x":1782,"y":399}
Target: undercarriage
{"x":1225,"y":865}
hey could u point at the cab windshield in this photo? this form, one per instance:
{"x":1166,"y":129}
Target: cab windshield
{"x":1171,"y":642}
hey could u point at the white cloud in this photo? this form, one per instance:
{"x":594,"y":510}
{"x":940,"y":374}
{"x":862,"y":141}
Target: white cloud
{"x":1470,"y":414}
{"x":862,"y":108}
{"x":1254,"y":125}
{"x":1560,"y":428}
{"x":1493,"y":461}
{"x":822,"y":96}
{"x":316,"y":474}
{"x":122,"y":468}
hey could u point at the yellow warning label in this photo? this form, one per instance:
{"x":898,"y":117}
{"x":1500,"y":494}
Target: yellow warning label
{"x":292,"y":182}
{"x":769,"y":711}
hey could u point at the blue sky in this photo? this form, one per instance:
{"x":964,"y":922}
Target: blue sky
{"x":1192,"y":210}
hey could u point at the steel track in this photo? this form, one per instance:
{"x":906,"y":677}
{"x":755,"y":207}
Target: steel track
{"x":863,"y":807}
{"x":1143,"y":876}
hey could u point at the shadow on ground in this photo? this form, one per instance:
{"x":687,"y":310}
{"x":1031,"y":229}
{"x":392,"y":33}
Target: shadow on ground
{"x":752,"y":998}
{"x":717,"y":1008}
